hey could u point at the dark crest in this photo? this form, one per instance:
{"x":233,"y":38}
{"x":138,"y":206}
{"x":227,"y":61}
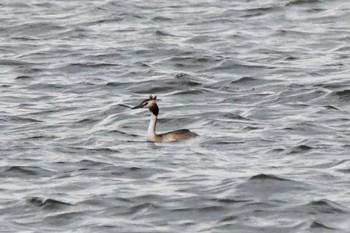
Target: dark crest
{"x":152,"y":97}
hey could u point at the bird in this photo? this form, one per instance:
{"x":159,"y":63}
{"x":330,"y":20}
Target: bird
{"x":152,"y":136}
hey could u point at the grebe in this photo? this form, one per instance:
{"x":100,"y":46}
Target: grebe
{"x":152,"y":136}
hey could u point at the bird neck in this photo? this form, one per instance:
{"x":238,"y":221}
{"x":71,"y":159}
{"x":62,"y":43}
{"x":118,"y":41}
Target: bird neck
{"x":152,"y":126}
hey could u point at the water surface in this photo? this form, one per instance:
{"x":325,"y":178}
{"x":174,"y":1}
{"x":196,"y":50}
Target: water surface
{"x":265,"y":84}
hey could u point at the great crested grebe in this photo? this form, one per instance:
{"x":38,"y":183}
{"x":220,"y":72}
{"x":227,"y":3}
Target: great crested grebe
{"x":152,"y":136}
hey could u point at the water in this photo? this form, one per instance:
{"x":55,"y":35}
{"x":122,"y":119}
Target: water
{"x":264,"y":83}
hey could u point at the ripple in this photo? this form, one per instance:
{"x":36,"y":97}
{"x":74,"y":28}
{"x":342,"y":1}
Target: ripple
{"x":343,"y":95}
{"x":23,"y":77}
{"x":28,"y":171}
{"x":265,"y":177}
{"x":69,"y":218}
{"x":268,"y":186}
{"x":302,"y":2}
{"x":161,"y":19}
{"x":181,"y":81}
{"x":319,"y":226}
{"x":325,"y":206}
{"x":49,"y":204}
{"x":18,"y":119}
{"x":300,"y":149}
{"x":332,"y":107}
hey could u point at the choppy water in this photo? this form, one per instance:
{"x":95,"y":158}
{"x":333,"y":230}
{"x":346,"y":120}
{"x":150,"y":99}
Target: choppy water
{"x":265,"y":84}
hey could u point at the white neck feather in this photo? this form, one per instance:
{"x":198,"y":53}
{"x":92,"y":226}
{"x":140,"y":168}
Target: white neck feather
{"x":152,"y":127}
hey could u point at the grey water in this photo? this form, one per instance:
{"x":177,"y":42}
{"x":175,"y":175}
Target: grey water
{"x":264,"y":83}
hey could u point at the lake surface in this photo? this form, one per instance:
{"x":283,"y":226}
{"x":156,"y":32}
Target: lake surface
{"x":264,"y":83}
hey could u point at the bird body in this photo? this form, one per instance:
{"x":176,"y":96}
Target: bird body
{"x":152,"y":136}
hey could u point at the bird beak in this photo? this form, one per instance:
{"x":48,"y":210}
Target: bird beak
{"x":138,"y":106}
